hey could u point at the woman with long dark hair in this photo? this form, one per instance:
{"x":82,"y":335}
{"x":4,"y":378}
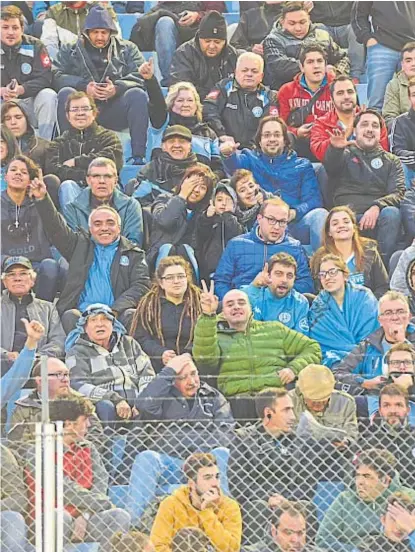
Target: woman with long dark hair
{"x":8,"y":149}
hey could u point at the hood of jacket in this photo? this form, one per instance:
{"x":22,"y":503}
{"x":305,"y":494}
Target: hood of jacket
{"x":224,"y":186}
{"x":254,"y":236}
{"x":83,"y":200}
{"x":99,"y":18}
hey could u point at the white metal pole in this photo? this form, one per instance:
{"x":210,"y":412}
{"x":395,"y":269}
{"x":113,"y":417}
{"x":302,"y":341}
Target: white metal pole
{"x":49,"y":482}
{"x":38,"y":489}
{"x":59,"y":487}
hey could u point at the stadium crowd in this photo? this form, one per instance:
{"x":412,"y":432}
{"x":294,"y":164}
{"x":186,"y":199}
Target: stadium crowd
{"x":208,"y":230}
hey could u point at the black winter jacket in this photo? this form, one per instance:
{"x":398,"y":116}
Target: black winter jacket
{"x":254,"y":25}
{"x":333,"y":14}
{"x":35,"y":147}
{"x":129,"y":271}
{"x":402,"y":138}
{"x":362,"y":179}
{"x":29,"y":64}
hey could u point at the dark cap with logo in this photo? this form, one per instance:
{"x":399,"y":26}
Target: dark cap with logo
{"x":213,"y":25}
{"x":177,"y":130}
{"x":10,"y":262}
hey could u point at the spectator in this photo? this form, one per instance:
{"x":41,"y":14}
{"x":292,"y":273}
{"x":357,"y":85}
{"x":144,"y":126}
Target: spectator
{"x":8,"y":150}
{"x":176,"y":217}
{"x":341,"y":237}
{"x":400,"y":360}
{"x":124,"y":370}
{"x":28,"y":410}
{"x":278,"y":170}
{"x":166,"y":26}
{"x":384,"y":29}
{"x":343,"y":314}
{"x":26,"y":74}
{"x":110,"y":76}
{"x":191,"y":539}
{"x":218,"y":224}
{"x":307,"y":97}
{"x":363,"y":368}
{"x":272,"y":296}
{"x":23,"y":231}
{"x":18,"y":302}
{"x":13,"y":504}
{"x":235,"y":347}
{"x":354,"y":515}
{"x":396,"y":94}
{"x":234,"y":107}
{"x":254,"y":25}
{"x":207,"y":58}
{"x":102,"y":189}
{"x":250,"y":197}
{"x":402,"y":137}
{"x":165,"y":318}
{"x":344,"y":94}
{"x":103,"y":265}
{"x":181,"y":107}
{"x":197,"y":418}
{"x":369,"y":179}
{"x":283,"y":44}
{"x":315,"y":393}
{"x":201,"y":504}
{"x":86,"y":137}
{"x":88,"y":513}
{"x":133,"y":541}
{"x":246,"y":255}
{"x":399,"y":280}
{"x":63,"y":22}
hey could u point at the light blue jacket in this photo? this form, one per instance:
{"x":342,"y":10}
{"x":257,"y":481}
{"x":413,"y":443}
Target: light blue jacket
{"x":18,"y":374}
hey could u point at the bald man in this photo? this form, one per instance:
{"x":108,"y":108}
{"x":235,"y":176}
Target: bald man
{"x":247,"y":355}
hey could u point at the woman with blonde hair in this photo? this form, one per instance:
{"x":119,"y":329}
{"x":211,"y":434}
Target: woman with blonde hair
{"x":341,"y":237}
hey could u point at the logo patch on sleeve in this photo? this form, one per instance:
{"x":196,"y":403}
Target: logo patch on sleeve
{"x":45,"y":60}
{"x":213,"y":94}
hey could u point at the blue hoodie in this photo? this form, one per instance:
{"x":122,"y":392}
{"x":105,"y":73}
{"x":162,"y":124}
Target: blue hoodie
{"x":246,"y":255}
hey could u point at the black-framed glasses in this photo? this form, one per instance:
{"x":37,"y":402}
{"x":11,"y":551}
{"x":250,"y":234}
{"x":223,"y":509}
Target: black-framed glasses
{"x":389,"y":313}
{"x":407,"y":363}
{"x":275,"y":222}
{"x":174,"y":277}
{"x":84,"y":109}
{"x":331,"y":273}
{"x":59,"y":375}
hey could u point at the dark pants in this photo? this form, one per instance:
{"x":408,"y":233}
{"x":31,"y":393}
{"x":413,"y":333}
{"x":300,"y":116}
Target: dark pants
{"x":127,"y":110}
{"x":47,"y":281}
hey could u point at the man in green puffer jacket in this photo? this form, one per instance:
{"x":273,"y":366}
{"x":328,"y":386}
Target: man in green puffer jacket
{"x":245,"y":354}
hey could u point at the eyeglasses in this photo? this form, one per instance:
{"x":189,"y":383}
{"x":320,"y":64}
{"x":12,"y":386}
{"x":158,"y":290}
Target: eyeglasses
{"x":407,"y":363}
{"x":390,"y":313}
{"x":14,"y":275}
{"x":273,"y":221}
{"x":268,"y":135}
{"x":105,"y":177}
{"x":80,"y":109}
{"x":174,"y":277}
{"x":331,"y":273}
{"x":59,"y":375}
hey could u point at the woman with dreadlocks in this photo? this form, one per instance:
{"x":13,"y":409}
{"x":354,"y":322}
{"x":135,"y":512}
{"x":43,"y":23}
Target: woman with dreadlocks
{"x":165,"y":318}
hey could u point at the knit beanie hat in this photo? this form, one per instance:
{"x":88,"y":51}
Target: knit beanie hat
{"x":213,"y":25}
{"x":316,"y":382}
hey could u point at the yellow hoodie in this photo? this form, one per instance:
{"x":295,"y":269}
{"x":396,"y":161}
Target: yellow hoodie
{"x":222,"y":523}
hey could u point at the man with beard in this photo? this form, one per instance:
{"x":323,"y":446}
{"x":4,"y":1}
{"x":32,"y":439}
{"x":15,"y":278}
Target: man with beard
{"x":273,"y":297}
{"x":368,"y":179}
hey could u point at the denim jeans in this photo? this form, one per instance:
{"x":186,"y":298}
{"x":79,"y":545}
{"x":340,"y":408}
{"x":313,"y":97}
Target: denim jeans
{"x":166,"y":44}
{"x":309,"y":230}
{"x":386,"y":232}
{"x":48,"y":274}
{"x":13,"y":532}
{"x":68,"y":191}
{"x":344,"y":36}
{"x":41,"y":110}
{"x":381,"y":63}
{"x":409,"y":177}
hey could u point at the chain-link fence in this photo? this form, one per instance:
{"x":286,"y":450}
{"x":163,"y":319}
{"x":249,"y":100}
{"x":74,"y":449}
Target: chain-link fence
{"x":298,"y":489}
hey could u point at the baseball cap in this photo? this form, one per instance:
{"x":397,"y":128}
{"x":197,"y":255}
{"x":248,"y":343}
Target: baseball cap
{"x":177,"y":130}
{"x":16,"y":261}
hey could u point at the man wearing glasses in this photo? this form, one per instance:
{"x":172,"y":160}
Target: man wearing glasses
{"x":70,"y":155}
{"x":246,"y":255}
{"x":365,"y":368}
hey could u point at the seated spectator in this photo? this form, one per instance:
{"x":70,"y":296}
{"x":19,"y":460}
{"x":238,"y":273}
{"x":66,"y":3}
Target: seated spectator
{"x":99,"y":340}
{"x":26,"y":72}
{"x":103,"y":265}
{"x":9,"y":148}
{"x":396,"y":94}
{"x":201,"y":419}
{"x":88,"y":513}
{"x":343,"y":314}
{"x":344,"y":95}
{"x":86,"y":137}
{"x":23,"y":230}
{"x":13,"y":504}
{"x":102,"y":189}
{"x":234,"y":107}
{"x":363,"y":369}
{"x":341,"y":237}
{"x":181,"y":107}
{"x":400,"y":360}
{"x":402,"y":138}
{"x":217,"y":225}
{"x":176,"y":217}
{"x":234,"y":347}
{"x":246,"y":255}
{"x":283,"y":44}
{"x":207,"y":58}
{"x":191,"y":539}
{"x":200,"y":503}
{"x":250,"y":197}
{"x":133,"y":541}
{"x":28,"y":410}
{"x":368,"y":179}
{"x":399,"y":280}
{"x":18,"y":302}
{"x":398,"y":524}
{"x":63,"y":21}
{"x":110,"y":77}
{"x":355,"y":514}
{"x":254,"y":25}
{"x":273,"y":298}
{"x":307,"y":97}
{"x":390,"y":426}
{"x":165,"y":318}
{"x":276,"y":167}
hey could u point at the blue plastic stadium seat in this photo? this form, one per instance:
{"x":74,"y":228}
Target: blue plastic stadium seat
{"x":232,"y":6}
{"x":127,"y":173}
{"x":82,"y":547}
{"x":231,"y":18}
{"x":127,"y":22}
{"x":326,"y":493}
{"x":148,"y":6}
{"x":362,"y":93}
